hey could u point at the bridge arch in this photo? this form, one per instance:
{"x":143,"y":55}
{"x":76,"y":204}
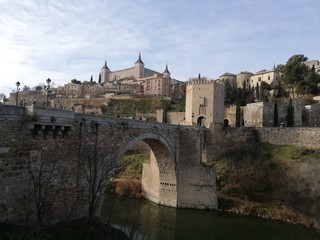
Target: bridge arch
{"x":159,"y":176}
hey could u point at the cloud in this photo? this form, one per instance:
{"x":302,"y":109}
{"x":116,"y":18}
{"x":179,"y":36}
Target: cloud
{"x":63,"y":40}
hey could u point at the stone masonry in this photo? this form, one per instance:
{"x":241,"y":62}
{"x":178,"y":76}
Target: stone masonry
{"x":68,"y":148}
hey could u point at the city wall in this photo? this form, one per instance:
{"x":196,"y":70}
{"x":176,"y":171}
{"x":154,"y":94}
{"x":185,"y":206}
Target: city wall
{"x":301,"y":137}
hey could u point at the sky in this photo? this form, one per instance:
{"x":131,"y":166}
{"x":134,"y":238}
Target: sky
{"x":68,"y":39}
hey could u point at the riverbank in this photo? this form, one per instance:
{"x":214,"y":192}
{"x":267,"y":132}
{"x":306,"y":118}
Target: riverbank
{"x":253,"y":178}
{"x":131,"y":186}
{"x":267,"y":210}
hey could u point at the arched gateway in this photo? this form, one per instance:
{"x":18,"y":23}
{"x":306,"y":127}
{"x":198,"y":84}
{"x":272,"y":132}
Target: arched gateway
{"x":88,"y":146}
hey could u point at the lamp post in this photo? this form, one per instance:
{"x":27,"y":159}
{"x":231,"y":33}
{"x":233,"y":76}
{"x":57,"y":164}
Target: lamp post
{"x":17,"y":92}
{"x":47,"y":88}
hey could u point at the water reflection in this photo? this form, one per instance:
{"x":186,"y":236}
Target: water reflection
{"x":142,"y":219}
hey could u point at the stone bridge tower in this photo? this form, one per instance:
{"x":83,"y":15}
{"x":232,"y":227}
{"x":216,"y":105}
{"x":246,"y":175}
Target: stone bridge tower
{"x":204,"y":103}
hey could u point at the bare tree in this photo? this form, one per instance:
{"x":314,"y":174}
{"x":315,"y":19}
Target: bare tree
{"x":97,"y":171}
{"x":48,"y":177}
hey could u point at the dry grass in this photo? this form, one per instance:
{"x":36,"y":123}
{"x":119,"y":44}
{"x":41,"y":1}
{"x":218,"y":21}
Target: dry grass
{"x":279,"y":182}
{"x":126,"y":186}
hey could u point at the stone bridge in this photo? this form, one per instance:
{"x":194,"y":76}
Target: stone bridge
{"x":72,"y":149}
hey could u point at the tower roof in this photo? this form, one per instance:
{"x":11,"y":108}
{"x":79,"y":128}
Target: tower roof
{"x":105,"y":65}
{"x":166,"y":71}
{"x":139,"y":60}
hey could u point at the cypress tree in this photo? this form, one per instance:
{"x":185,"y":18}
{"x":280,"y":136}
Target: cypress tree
{"x":290,"y":114}
{"x":238,"y":121}
{"x":275,"y":114}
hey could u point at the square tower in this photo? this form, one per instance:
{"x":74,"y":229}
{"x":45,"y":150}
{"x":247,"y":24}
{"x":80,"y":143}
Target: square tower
{"x":204,"y":103}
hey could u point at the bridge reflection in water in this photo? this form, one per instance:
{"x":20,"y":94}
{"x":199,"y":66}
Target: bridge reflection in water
{"x":142,"y":219}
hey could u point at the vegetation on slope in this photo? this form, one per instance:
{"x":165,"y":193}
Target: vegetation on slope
{"x":131,"y":164}
{"x":280,"y":182}
{"x":130,"y":107}
{"x":129,"y":173}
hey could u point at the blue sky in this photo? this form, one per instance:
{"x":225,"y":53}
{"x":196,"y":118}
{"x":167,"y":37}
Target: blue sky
{"x":71,"y":39}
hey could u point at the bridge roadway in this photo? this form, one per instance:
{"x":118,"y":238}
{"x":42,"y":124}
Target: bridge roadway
{"x":77,"y":153}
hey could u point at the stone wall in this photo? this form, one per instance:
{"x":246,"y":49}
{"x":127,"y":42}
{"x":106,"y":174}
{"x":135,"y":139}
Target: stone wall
{"x":302,"y":137}
{"x":68,"y":103}
{"x":311,"y":115}
{"x":258,"y":114}
{"x":175,"y":117}
{"x":230,"y":114}
{"x":62,"y":145}
{"x":262,"y":114}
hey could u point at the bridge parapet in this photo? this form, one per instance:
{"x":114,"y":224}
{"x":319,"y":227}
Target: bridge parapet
{"x":48,"y":116}
{"x":71,"y":141}
{"x":48,"y":122}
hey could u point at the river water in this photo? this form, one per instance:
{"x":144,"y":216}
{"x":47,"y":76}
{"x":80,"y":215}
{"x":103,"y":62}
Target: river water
{"x":142,"y":219}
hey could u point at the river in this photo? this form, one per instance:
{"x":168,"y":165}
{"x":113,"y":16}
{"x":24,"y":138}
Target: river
{"x":142,"y":219}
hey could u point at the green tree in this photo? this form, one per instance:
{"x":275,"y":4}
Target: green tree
{"x":302,"y":87}
{"x":228,"y":94}
{"x":238,"y":116}
{"x":275,"y":114}
{"x":257,"y":92}
{"x":75,"y":81}
{"x":264,"y":91}
{"x":290,"y":114}
{"x":295,"y":71}
{"x":313,"y":80}
{"x":99,"y":81}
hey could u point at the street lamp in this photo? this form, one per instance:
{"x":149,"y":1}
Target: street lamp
{"x":47,"y":88}
{"x":17,"y":92}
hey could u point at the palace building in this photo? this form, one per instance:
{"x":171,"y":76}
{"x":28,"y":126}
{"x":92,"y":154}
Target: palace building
{"x":153,"y":82}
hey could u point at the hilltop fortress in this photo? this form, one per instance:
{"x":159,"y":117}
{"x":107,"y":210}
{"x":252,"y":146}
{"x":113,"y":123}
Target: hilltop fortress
{"x":137,"y":71}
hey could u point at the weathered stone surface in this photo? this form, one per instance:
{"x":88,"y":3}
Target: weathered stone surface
{"x":303,"y":137}
{"x":65,"y":141}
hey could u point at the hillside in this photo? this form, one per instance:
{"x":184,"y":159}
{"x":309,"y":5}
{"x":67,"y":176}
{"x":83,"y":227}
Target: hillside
{"x":279,"y":182}
{"x":131,"y":107}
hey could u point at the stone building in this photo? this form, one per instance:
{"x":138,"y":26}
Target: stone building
{"x":204,"y":103}
{"x":137,"y":71}
{"x":157,"y":85}
{"x":28,"y":97}
{"x":243,"y":79}
{"x":231,"y":78}
{"x":91,"y":90}
{"x":72,"y":90}
{"x":139,"y":79}
{"x":315,"y":64}
{"x":271,"y":77}
{"x":177,"y":89}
